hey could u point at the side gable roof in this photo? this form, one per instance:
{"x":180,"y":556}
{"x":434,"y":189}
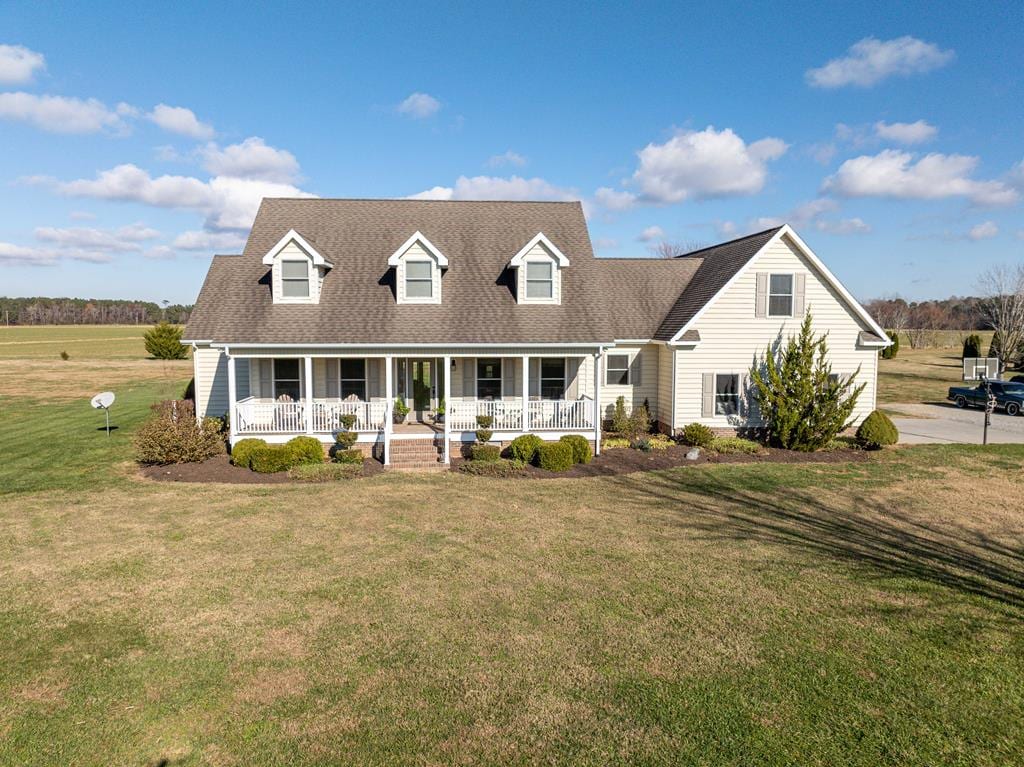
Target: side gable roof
{"x":639,"y":292}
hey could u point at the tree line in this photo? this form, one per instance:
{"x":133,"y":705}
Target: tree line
{"x":89,"y":311}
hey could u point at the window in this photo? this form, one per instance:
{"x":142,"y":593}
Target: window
{"x":617,"y":370}
{"x":552,"y":378}
{"x":286,"y":380}
{"x":780,"y":295}
{"x":488,"y":379}
{"x":419,"y":279}
{"x":353,"y":378}
{"x":727,"y":394}
{"x":540,"y":279}
{"x":295,"y":279}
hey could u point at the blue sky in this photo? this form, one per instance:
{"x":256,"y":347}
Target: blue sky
{"x":138,"y":139}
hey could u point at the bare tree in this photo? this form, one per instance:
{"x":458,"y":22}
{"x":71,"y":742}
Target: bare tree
{"x":1002,"y":307}
{"x":666,"y":249}
{"x":891,"y":313}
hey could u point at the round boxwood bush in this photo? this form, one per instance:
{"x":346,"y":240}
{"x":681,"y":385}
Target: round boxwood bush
{"x":877,"y":431}
{"x":484,"y":435}
{"x":581,"y":452}
{"x":306,"y":449}
{"x":555,"y":456}
{"x":349,"y":456}
{"x":485,"y":452}
{"x":696,"y":435}
{"x":241,"y":453}
{"x":269,"y":459}
{"x":524,"y":448}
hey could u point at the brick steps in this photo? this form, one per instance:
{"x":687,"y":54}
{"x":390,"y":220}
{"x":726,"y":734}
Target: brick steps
{"x":417,"y":455}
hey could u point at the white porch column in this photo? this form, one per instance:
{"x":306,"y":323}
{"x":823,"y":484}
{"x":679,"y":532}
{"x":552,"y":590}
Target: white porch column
{"x":309,"y":394}
{"x":526,"y":392}
{"x":232,"y":395}
{"x":446,"y":376}
{"x":597,"y":404}
{"x":388,"y":417}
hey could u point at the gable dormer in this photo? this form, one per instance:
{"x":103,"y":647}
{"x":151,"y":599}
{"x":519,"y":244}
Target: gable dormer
{"x":297,"y":270}
{"x":539,"y":268}
{"x":418,"y":266}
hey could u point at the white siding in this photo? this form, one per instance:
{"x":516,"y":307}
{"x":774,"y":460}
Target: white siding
{"x":539,"y":253}
{"x":663,"y":402}
{"x":417,"y":252}
{"x":292,"y":252}
{"x":210,"y":368}
{"x":645,"y":357}
{"x":732,"y":338}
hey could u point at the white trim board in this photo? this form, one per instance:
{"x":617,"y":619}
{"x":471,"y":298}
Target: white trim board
{"x":395,"y":257}
{"x":520,"y":258}
{"x":298,"y":239}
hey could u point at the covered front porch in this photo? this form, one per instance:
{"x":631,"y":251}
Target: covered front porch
{"x":276,"y":394}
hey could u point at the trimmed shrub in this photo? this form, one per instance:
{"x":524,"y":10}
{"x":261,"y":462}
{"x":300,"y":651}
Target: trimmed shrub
{"x":620,"y":419}
{"x":163,"y":341}
{"x":581,"y":450}
{"x":306,"y":449}
{"x":269,"y":459}
{"x":524,"y":448}
{"x":241,"y":453}
{"x":696,"y":435}
{"x":555,"y":456}
{"x":484,"y":452}
{"x":485,"y":421}
{"x":348,"y":420}
{"x":877,"y":431}
{"x":972,"y":346}
{"x":349,"y":456}
{"x":173,"y":436}
{"x":324,"y":472}
{"x":502,"y":467}
{"x":890,"y":352}
{"x":733,"y":445}
{"x":484,"y":435}
{"x":346,"y":439}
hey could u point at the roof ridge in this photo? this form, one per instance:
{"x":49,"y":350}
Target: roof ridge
{"x":407,"y":199}
{"x":763,"y":232}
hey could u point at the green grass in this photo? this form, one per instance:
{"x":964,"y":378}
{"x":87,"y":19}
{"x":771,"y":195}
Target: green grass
{"x":89,"y":341}
{"x":844,"y":614}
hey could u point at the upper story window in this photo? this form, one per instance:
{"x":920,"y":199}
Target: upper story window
{"x":780,"y":295}
{"x":295,"y":279}
{"x":540,"y":280}
{"x":419,"y":279}
{"x":539,"y":265}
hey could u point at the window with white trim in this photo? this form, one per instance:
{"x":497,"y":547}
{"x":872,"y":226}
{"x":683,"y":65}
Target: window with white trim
{"x":488,"y":378}
{"x":727,"y":394}
{"x":287,"y":380}
{"x":540,"y":279}
{"x":419,"y":279}
{"x":780,"y":295}
{"x":352,"y":378}
{"x":552,"y":378}
{"x":617,"y":370}
{"x":295,"y":279}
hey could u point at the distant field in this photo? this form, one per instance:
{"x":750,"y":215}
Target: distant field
{"x":95,"y":341}
{"x":924,"y":375}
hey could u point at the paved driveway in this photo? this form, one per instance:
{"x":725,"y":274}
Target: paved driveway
{"x":947,"y":424}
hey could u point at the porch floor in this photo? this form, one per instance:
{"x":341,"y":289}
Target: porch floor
{"x":417,"y":428}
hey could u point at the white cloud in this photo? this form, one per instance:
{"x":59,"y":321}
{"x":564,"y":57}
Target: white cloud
{"x":253,"y":159}
{"x":843,"y":226}
{"x":507,"y":158}
{"x":18,"y":64}
{"x":651,"y":233}
{"x":811,"y":215}
{"x":906,"y":133}
{"x":870,"y":61}
{"x":218,"y":241}
{"x":59,"y":114}
{"x":24,"y":255}
{"x":419,"y":106}
{"x":984,"y":231}
{"x":894,"y":174}
{"x":822,"y":153}
{"x":704,"y":164}
{"x":160,"y":253}
{"x":228,"y":203}
{"x":497,"y":188}
{"x":126,"y":239}
{"x":608,"y":198}
{"x":181,"y":121}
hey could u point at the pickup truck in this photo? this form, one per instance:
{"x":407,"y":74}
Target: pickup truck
{"x":1009,"y":396}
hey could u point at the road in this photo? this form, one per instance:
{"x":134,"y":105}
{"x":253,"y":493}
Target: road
{"x":939,"y":423}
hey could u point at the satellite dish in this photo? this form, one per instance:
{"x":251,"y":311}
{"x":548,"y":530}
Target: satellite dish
{"x":103,"y":400}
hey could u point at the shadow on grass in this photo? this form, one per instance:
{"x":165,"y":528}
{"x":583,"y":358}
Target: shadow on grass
{"x":865,"y":531}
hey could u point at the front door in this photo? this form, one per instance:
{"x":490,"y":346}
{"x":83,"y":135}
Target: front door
{"x":424,"y":386}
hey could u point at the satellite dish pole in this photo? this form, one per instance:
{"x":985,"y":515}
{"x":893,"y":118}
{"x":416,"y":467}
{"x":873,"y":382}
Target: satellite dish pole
{"x":103,"y":401}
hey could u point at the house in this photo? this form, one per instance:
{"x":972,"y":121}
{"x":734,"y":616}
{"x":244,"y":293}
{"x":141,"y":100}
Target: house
{"x":499,"y":309}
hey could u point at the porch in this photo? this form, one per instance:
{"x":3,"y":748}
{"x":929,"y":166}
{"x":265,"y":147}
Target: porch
{"x":281,"y":396}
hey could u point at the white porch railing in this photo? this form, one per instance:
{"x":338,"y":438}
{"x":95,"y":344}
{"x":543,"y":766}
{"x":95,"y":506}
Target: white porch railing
{"x":563,"y":415}
{"x":253,"y":416}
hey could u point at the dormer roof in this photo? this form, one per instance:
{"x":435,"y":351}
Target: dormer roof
{"x":428,"y":246}
{"x":298,"y":239}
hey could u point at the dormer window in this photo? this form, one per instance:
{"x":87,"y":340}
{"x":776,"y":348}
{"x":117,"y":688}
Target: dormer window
{"x":418,"y":269}
{"x":295,"y":279}
{"x":297,"y":270}
{"x":539,"y":268}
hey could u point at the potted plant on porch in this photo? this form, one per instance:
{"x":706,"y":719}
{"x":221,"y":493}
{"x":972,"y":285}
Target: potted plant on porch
{"x":400,"y":410}
{"x":439,"y":412}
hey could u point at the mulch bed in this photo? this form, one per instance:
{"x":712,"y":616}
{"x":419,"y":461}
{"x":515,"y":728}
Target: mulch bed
{"x":611,"y":462}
